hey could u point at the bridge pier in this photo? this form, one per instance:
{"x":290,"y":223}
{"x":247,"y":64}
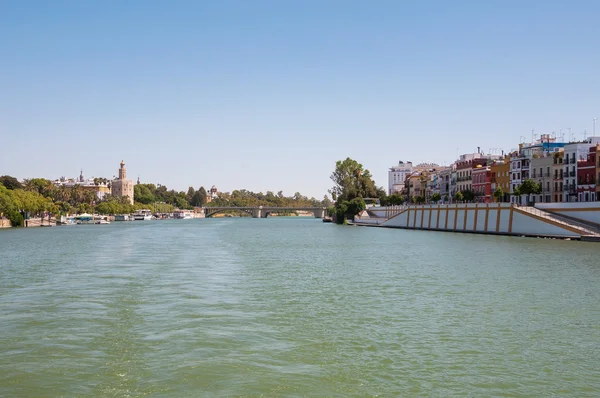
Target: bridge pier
{"x":320,"y":213}
{"x":257,"y":212}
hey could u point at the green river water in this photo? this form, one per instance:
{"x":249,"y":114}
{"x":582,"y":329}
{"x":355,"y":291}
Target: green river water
{"x":294,"y":307}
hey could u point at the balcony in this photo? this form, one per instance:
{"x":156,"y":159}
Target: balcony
{"x":546,"y":175}
{"x":572,"y":174}
{"x":572,"y":161}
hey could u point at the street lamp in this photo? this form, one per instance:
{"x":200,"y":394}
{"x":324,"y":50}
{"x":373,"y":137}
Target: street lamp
{"x":594,"y":127}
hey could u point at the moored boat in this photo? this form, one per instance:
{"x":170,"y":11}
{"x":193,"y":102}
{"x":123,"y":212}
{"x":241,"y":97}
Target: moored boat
{"x":142,"y":215}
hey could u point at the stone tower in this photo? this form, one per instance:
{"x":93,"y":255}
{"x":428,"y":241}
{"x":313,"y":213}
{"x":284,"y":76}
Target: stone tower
{"x":122,"y":186}
{"x":122,"y":171}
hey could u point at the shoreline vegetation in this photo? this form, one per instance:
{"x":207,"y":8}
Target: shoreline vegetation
{"x":38,"y":196}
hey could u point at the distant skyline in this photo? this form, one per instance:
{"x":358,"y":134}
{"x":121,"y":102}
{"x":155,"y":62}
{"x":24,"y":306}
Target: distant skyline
{"x":268,"y":95}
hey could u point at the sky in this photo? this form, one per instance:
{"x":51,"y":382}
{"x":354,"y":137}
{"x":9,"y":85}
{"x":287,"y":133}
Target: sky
{"x":269,"y":94}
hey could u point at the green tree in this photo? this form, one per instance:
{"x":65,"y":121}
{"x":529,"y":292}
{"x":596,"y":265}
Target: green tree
{"x":145,"y":193}
{"x":40,"y":185}
{"x":198,"y":199}
{"x":468,"y":195}
{"x":8,"y":208}
{"x":10,"y":182}
{"x":498,"y":194}
{"x":395,"y":199}
{"x":436,"y":197}
{"x":459,"y":197}
{"x":191,"y":191}
{"x":351,"y":181}
{"x":530,"y":187}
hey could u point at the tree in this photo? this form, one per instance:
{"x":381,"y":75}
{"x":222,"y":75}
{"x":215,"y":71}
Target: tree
{"x":198,"y":200}
{"x":436,"y":197}
{"x":530,"y":187}
{"x":40,"y":185}
{"x":326,"y":202}
{"x":468,"y":195}
{"x":8,"y":208}
{"x":145,"y":193}
{"x":498,"y":194}
{"x":351,"y":181}
{"x":459,"y":197}
{"x":10,"y":182}
{"x":395,"y":199}
{"x":191,"y":191}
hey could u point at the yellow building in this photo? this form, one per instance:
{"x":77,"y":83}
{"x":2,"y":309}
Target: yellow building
{"x":500,"y":170}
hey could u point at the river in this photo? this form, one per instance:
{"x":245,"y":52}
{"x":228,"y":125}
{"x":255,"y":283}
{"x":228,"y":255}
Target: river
{"x":294,"y":307}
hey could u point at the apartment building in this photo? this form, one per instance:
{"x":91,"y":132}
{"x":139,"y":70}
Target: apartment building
{"x":541,"y":172}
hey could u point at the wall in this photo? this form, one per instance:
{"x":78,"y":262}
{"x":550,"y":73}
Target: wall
{"x":586,"y":211}
{"x":494,"y":218}
{"x":4,"y":223}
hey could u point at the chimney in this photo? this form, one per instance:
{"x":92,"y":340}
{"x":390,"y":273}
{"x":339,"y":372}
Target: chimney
{"x":478,"y":150}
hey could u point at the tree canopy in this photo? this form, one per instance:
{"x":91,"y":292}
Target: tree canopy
{"x":10,"y":182}
{"x":352,"y":183}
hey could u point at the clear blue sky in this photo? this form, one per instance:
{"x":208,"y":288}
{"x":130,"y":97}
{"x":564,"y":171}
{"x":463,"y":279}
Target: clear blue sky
{"x":267,"y":95}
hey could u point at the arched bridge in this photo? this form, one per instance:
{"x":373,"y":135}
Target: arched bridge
{"x":264,"y":211}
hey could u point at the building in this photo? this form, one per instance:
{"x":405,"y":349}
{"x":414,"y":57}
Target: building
{"x":100,"y":186}
{"x":445,"y":182}
{"x":541,"y":172}
{"x":574,"y":152}
{"x":597,"y":172}
{"x":500,"y":171}
{"x":482,"y":183}
{"x":464,"y":166}
{"x":586,"y":177}
{"x":521,"y":160}
{"x":558,"y":176}
{"x":122,"y":186}
{"x":413,"y":185}
{"x":397,"y":177}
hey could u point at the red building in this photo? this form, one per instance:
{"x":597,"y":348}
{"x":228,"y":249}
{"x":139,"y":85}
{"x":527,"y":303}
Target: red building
{"x":586,"y":177}
{"x":482,"y":184}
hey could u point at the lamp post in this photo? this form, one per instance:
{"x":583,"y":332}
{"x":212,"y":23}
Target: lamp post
{"x":594,"y":127}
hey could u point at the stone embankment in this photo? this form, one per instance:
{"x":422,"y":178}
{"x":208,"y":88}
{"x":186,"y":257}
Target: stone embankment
{"x":495,"y":219}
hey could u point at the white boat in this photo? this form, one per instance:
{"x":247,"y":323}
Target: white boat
{"x":183,"y":214}
{"x":84,"y":219}
{"x":142,"y":215}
